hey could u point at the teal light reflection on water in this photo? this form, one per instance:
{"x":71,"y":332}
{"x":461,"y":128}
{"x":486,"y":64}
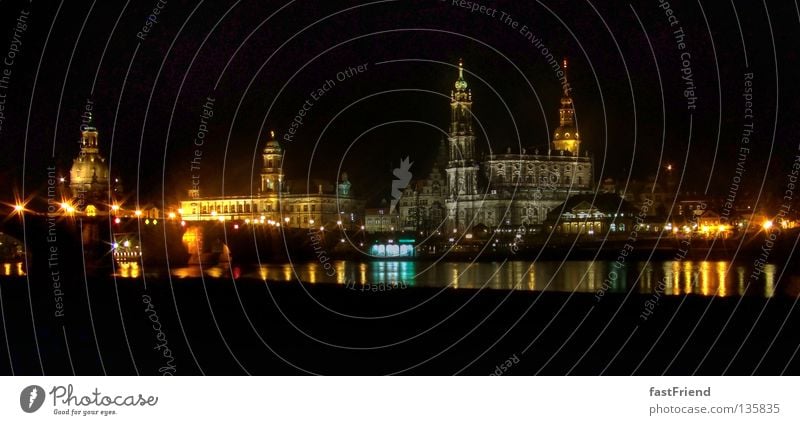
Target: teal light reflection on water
{"x":670,"y":278}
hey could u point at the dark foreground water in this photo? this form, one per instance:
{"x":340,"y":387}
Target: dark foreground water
{"x":708,"y":278}
{"x":445,"y":319}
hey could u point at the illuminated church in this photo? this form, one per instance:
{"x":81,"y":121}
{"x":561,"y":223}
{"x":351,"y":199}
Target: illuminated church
{"x":91,"y":189}
{"x":508,"y":189}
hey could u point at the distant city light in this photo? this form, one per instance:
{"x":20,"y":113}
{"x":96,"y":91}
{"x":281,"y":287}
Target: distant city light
{"x":138,"y":213}
{"x":117,"y":220}
{"x":172,"y":215}
{"x":767,"y":224}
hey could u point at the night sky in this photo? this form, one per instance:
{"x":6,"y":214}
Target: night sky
{"x":261,"y":61}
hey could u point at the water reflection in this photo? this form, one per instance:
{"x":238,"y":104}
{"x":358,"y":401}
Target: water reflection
{"x":707,"y":278}
{"x":128,"y":269}
{"x":13,"y":269}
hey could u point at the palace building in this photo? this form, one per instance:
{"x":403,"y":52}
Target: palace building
{"x":503,"y":190}
{"x":280,"y":202}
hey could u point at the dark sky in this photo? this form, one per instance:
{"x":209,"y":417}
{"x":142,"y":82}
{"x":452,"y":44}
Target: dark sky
{"x":269,"y":56}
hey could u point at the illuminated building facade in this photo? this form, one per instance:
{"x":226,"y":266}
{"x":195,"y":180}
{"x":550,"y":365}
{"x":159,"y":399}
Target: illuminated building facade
{"x":278,"y":202}
{"x":88,"y":177}
{"x":379,"y":220}
{"x":504,"y":190}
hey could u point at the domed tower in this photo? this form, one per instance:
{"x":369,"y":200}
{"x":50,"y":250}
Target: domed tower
{"x":88,"y":178}
{"x":566,"y":137}
{"x":271,"y":175}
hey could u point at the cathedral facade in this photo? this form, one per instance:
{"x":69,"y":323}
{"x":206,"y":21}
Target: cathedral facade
{"x":501,"y":190}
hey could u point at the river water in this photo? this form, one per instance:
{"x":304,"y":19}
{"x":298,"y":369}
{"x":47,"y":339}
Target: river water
{"x":707,"y":278}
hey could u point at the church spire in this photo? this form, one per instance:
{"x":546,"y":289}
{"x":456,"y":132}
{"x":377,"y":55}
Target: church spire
{"x":566,"y":137}
{"x":565,"y":85}
{"x":461,"y":83}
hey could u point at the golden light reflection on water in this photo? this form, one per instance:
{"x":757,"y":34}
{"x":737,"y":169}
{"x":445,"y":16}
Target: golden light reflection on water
{"x":128,"y":269}
{"x":707,"y":278}
{"x":13,"y":269}
{"x":722,"y":272}
{"x":769,"y":276}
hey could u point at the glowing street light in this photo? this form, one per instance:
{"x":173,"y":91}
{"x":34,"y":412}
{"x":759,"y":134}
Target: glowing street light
{"x":138,"y":213}
{"x":172,"y":216}
{"x":767,"y":224}
{"x":338,"y":222}
{"x":311,"y":222}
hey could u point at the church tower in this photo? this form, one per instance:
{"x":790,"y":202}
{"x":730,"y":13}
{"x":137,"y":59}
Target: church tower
{"x":271,"y":174}
{"x":566,"y":137}
{"x":462,"y":169}
{"x":88,"y":177}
